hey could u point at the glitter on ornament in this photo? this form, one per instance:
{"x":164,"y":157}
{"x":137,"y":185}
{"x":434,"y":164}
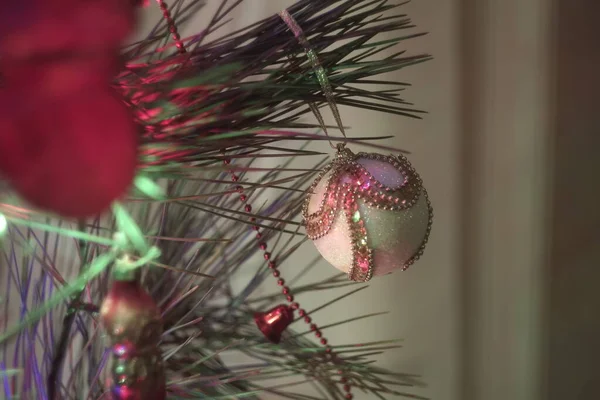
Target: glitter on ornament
{"x":368,"y":214}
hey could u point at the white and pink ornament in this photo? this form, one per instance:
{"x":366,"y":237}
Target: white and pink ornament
{"x":368,"y":214}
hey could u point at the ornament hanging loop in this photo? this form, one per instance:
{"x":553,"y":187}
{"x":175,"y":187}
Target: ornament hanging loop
{"x":319,"y":72}
{"x":344,"y":153}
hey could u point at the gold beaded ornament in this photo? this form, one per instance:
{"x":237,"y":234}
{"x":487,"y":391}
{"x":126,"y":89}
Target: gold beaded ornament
{"x":348,"y":190}
{"x":351,"y":188}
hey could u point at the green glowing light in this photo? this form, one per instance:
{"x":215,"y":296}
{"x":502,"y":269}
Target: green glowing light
{"x":149,"y":187}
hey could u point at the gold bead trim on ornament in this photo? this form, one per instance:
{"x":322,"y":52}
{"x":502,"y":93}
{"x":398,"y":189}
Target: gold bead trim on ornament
{"x":364,"y":185}
{"x":375,"y":194}
{"x":421,"y":249}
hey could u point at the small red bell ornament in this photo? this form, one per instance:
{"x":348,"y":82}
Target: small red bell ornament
{"x":274,"y":322}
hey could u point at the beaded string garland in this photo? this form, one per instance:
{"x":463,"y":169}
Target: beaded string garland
{"x":293,"y":305}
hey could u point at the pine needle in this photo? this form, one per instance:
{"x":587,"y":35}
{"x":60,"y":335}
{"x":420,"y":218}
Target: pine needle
{"x":236,"y":104}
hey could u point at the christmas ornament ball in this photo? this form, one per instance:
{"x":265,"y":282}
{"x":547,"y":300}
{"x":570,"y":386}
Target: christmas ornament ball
{"x":73,"y":156}
{"x":368,"y":214}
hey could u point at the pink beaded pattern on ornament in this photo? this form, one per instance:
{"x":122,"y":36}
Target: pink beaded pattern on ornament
{"x":364,"y":187}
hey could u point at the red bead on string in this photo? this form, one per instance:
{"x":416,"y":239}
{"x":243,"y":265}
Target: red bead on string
{"x":171,"y":25}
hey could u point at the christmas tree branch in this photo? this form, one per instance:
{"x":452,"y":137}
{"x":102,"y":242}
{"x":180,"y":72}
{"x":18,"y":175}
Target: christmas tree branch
{"x":230,"y":105}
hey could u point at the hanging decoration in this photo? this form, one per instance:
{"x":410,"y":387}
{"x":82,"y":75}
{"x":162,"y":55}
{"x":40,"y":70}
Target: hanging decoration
{"x":274,"y":322}
{"x":132,"y":319}
{"x":133,"y":325}
{"x":368,"y":214}
{"x":385,"y":216}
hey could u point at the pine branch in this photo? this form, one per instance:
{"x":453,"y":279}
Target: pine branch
{"x":228,"y":104}
{"x":244,"y":82}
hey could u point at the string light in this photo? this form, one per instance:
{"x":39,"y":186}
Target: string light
{"x":3,"y":224}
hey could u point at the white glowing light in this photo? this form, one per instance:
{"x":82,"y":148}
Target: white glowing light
{"x":3,"y":224}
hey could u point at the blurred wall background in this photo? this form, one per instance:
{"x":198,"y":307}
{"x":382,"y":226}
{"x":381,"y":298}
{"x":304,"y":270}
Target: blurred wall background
{"x":572,"y":272}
